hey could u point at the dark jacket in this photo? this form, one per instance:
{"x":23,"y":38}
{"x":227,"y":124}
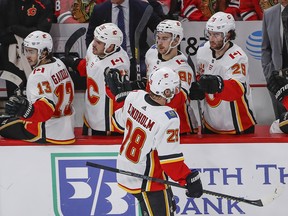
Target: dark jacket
{"x":102,"y":14}
{"x":23,"y":17}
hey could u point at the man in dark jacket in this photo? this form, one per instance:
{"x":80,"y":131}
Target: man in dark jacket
{"x":108,"y":12}
{"x":18,"y":19}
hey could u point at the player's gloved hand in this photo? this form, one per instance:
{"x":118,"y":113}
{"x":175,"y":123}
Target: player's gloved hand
{"x":278,"y":85}
{"x":196,"y":92}
{"x":19,"y":106}
{"x":283,"y":123}
{"x":20,"y":91}
{"x":139,"y":84}
{"x":112,"y":79}
{"x":71,"y":62}
{"x":119,"y":84}
{"x":194,"y":185}
{"x":211,"y":84}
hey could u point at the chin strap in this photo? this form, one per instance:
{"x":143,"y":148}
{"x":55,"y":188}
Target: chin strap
{"x":224,"y":44}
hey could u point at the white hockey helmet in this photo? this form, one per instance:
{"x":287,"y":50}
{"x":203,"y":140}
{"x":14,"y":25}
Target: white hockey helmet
{"x":164,"y":79}
{"x":221,"y":22}
{"x":39,"y":40}
{"x":109,"y":33}
{"x":171,"y":26}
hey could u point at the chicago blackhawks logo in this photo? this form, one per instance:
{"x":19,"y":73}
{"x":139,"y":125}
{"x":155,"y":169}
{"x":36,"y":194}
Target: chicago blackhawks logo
{"x":265,"y":4}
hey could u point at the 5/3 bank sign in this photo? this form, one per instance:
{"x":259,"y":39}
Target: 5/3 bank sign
{"x":86,"y":191}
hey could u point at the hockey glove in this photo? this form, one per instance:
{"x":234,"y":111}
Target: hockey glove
{"x":283,"y":122}
{"x":71,"y":62}
{"x":284,"y":72}
{"x":139,"y":84}
{"x":278,"y":85}
{"x":119,"y":84}
{"x":196,"y":92}
{"x":211,"y":84}
{"x":19,"y":106}
{"x":20,"y":91}
{"x":194,"y":185}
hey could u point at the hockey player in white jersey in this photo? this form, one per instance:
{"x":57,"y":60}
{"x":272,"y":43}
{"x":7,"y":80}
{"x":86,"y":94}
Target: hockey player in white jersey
{"x":47,"y":114}
{"x":165,"y":53}
{"x":222,"y":67}
{"x":105,"y":51}
{"x":151,"y":145}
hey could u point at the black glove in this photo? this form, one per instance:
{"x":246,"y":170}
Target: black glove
{"x":283,"y":123}
{"x":278,"y":85}
{"x":283,"y":72}
{"x":194,"y":185}
{"x":196,"y":92}
{"x":119,"y":85}
{"x":19,"y":106}
{"x":211,"y":84}
{"x":71,"y":62}
{"x":139,"y":84}
{"x":20,"y":91}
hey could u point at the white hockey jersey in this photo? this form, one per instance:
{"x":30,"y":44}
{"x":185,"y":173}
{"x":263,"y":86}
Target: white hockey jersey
{"x":178,"y":64}
{"x":222,"y":112}
{"x":98,"y":106}
{"x":52,"y":85}
{"x":181,"y":102}
{"x":150,"y":145}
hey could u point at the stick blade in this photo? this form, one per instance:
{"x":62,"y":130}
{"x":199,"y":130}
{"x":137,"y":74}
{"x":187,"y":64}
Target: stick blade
{"x":73,"y":38}
{"x":10,"y":76}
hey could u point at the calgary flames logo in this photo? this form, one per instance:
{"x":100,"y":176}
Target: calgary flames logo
{"x":32,"y":11}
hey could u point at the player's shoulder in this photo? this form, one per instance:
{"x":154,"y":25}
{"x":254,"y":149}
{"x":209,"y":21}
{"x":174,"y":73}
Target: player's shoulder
{"x":89,"y":49}
{"x":116,"y":60}
{"x":180,"y":57}
{"x":39,"y":74}
{"x":123,"y":53}
{"x":135,"y":94}
{"x":204,"y":45}
{"x":153,"y":47}
{"x":179,"y":63}
{"x":235,"y":53}
{"x":46,"y":70}
{"x":152,"y":51}
{"x":204,"y":48}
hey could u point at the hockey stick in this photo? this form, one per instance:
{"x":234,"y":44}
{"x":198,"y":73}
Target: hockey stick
{"x":259,"y":202}
{"x":72,"y":39}
{"x":138,"y":31}
{"x":191,"y":64}
{"x":9,"y":76}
